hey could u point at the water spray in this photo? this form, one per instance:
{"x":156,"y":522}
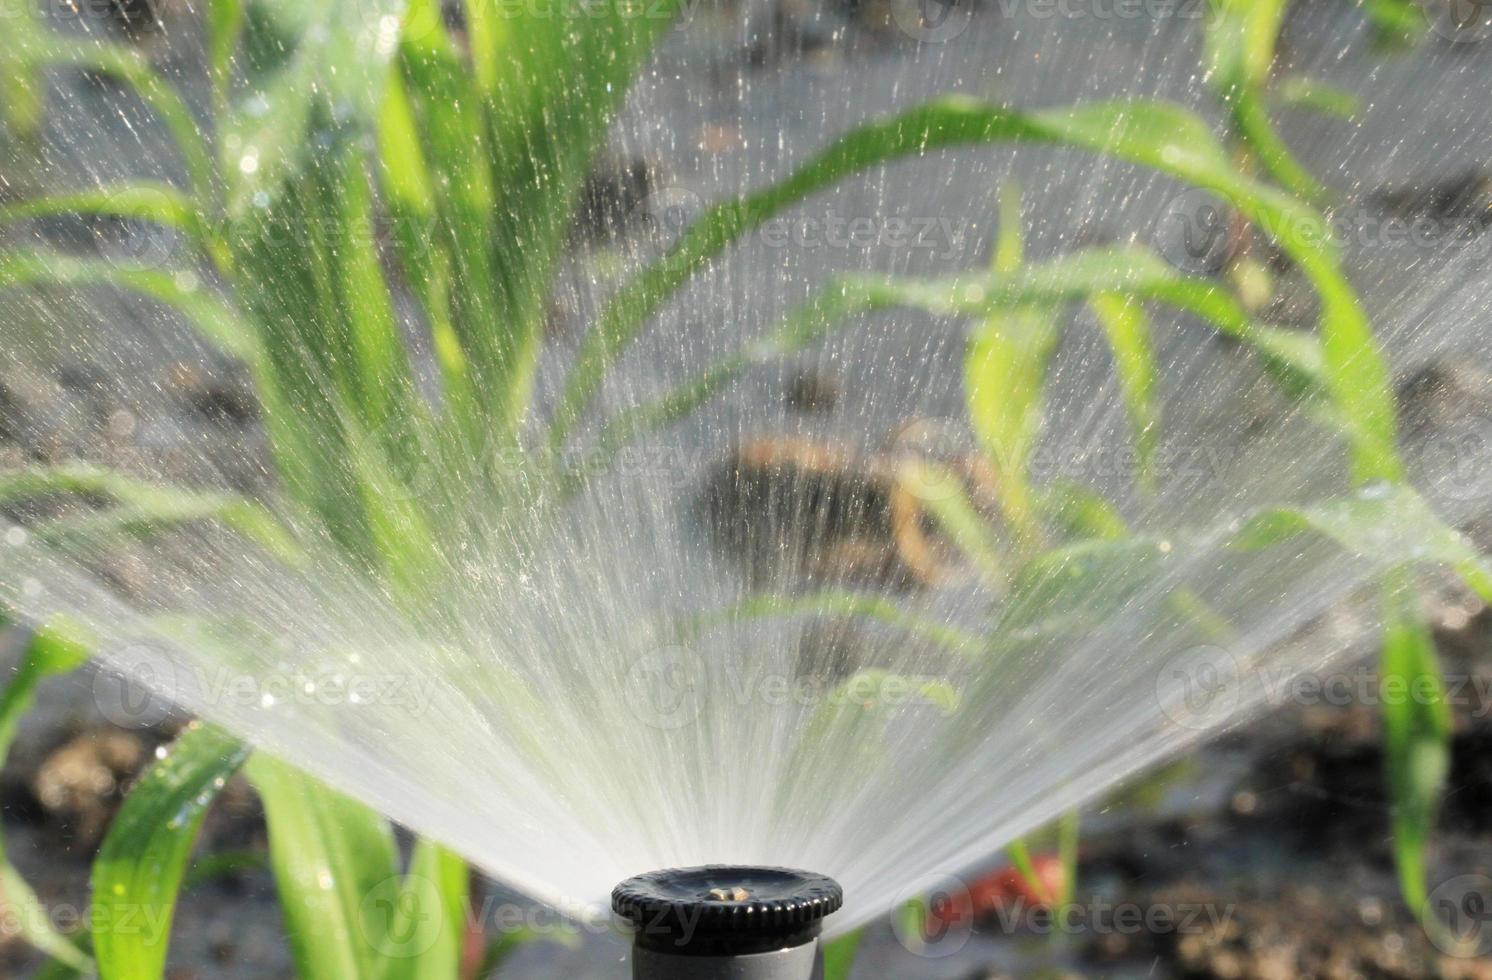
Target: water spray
{"x":726,"y":922}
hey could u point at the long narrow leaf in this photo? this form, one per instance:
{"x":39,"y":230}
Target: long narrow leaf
{"x":427,"y":928}
{"x":132,"y":68}
{"x":1417,"y":729}
{"x":1391,"y":524}
{"x":329,"y":854}
{"x":1004,"y":387}
{"x":1164,"y":137}
{"x":55,"y":649}
{"x":139,"y":869}
{"x":145,"y":506}
{"x":218,"y":323}
{"x":1128,"y":333}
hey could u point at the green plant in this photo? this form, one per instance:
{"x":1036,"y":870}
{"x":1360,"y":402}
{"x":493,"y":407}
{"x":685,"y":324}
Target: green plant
{"x":329,"y":123}
{"x":1060,"y":556}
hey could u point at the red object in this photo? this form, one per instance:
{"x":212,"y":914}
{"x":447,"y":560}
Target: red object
{"x":1005,"y":889}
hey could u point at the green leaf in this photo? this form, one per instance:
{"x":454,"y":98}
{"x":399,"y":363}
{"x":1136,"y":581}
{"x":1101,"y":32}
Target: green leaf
{"x":331,"y":82}
{"x":1396,"y":22}
{"x":55,"y":649}
{"x":150,"y":201}
{"x":143,"y":508}
{"x":134,"y":69}
{"x":138,"y":872}
{"x":332,"y":858}
{"x":225,"y":22}
{"x":1417,"y":731}
{"x":217,"y":322}
{"x":488,"y":148}
{"x":1130,"y":272}
{"x":1081,"y":585}
{"x":1078,"y":513}
{"x":839,"y":955}
{"x":941,"y":493}
{"x":945,"y":122}
{"x":425,"y":926}
{"x":501,"y":949}
{"x":831,"y":603}
{"x":1323,"y":97}
{"x":141,"y":200}
{"x":1128,"y":333}
{"x":1004,"y":385}
{"x":1020,"y":857}
{"x":1387,"y":523}
{"x":1238,"y":60}
{"x":23,"y":105}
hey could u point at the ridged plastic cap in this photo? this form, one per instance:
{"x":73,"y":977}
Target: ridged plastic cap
{"x":726,"y":907}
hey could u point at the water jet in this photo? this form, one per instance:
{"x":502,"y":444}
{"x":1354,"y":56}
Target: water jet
{"x":726,"y":921}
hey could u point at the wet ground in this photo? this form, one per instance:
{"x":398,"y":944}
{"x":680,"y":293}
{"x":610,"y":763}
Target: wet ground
{"x":1265,"y":855}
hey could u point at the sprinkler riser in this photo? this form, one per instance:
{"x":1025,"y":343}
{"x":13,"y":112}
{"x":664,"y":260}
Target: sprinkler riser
{"x":726,"y":922}
{"x":798,"y":963}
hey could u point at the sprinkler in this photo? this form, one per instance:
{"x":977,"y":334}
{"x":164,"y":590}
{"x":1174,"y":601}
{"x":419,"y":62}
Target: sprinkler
{"x":723,"y":922}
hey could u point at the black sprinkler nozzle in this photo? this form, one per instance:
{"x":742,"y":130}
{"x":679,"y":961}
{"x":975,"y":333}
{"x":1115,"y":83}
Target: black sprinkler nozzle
{"x":725,"y":921}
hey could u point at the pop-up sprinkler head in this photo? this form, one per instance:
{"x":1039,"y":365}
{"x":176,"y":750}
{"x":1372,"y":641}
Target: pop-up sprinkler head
{"x":721,"y":921}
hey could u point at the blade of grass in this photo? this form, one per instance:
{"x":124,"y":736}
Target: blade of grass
{"x":552,"y":88}
{"x":1295,"y":358}
{"x":54,"y":650}
{"x":217,"y":322}
{"x":426,"y":930}
{"x":146,"y":506}
{"x":839,"y":955}
{"x":1020,"y":857}
{"x":141,"y":200}
{"x":1388,"y":523}
{"x":22,"y":109}
{"x":1240,"y":50}
{"x":225,"y":22}
{"x":132,"y":68}
{"x":328,"y":853}
{"x":1004,"y":383}
{"x":1417,"y":730}
{"x":941,"y":494}
{"x":1311,"y":93}
{"x":1078,"y":513}
{"x":138,"y":873}
{"x":830,"y":603}
{"x":1128,"y":331}
{"x":1157,"y":135}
